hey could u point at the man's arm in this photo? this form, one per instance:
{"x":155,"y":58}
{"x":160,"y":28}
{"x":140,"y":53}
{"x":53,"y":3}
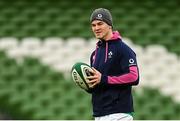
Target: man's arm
{"x":131,"y":78}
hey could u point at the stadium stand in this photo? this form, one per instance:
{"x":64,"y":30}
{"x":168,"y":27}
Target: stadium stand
{"x":41,"y":40}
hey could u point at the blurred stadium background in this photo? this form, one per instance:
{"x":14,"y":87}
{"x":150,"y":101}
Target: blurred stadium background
{"x":40,"y":40}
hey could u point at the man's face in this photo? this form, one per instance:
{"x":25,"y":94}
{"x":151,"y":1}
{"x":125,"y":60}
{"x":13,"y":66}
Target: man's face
{"x":100,"y":29}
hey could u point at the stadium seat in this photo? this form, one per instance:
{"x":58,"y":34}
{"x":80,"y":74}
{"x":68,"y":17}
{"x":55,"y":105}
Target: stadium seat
{"x":53,"y":42}
{"x":8,"y":43}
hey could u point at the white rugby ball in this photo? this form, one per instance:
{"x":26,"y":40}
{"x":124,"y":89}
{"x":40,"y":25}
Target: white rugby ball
{"x":80,"y":72}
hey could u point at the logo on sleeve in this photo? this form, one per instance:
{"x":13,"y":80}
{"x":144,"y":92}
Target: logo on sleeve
{"x":131,"y":62}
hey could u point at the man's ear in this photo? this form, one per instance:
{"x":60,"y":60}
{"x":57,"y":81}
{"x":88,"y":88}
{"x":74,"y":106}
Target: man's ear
{"x":110,"y":27}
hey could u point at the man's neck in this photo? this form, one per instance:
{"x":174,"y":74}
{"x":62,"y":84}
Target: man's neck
{"x":109,"y":36}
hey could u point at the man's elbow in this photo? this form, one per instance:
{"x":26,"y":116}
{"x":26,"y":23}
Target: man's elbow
{"x":136,"y":82}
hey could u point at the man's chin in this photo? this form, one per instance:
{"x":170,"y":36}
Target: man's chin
{"x":98,"y":37}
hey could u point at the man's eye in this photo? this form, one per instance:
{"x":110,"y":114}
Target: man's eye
{"x":100,"y":24}
{"x":93,"y":25}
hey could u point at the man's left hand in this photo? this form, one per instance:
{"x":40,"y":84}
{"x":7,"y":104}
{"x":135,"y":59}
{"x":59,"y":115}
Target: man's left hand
{"x":95,"y":78}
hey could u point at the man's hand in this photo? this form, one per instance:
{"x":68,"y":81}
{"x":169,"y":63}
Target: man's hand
{"x":95,"y":79}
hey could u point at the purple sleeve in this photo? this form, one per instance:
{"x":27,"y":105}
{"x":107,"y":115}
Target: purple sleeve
{"x":130,"y":77}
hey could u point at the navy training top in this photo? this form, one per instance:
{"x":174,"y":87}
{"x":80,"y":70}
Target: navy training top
{"x":113,"y":58}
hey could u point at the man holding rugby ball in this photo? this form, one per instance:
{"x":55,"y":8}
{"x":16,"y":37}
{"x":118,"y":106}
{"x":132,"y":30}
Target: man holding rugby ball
{"x":115,"y":71}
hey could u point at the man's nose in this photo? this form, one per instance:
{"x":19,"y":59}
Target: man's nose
{"x":96,"y":27}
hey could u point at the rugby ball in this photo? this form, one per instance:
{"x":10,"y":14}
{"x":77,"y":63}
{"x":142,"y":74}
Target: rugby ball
{"x":80,"y":72}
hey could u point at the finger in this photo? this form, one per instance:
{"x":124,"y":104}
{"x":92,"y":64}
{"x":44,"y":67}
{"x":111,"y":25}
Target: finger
{"x":94,"y":84}
{"x":92,"y":71}
{"x":92,"y":77}
{"x":91,"y":81}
